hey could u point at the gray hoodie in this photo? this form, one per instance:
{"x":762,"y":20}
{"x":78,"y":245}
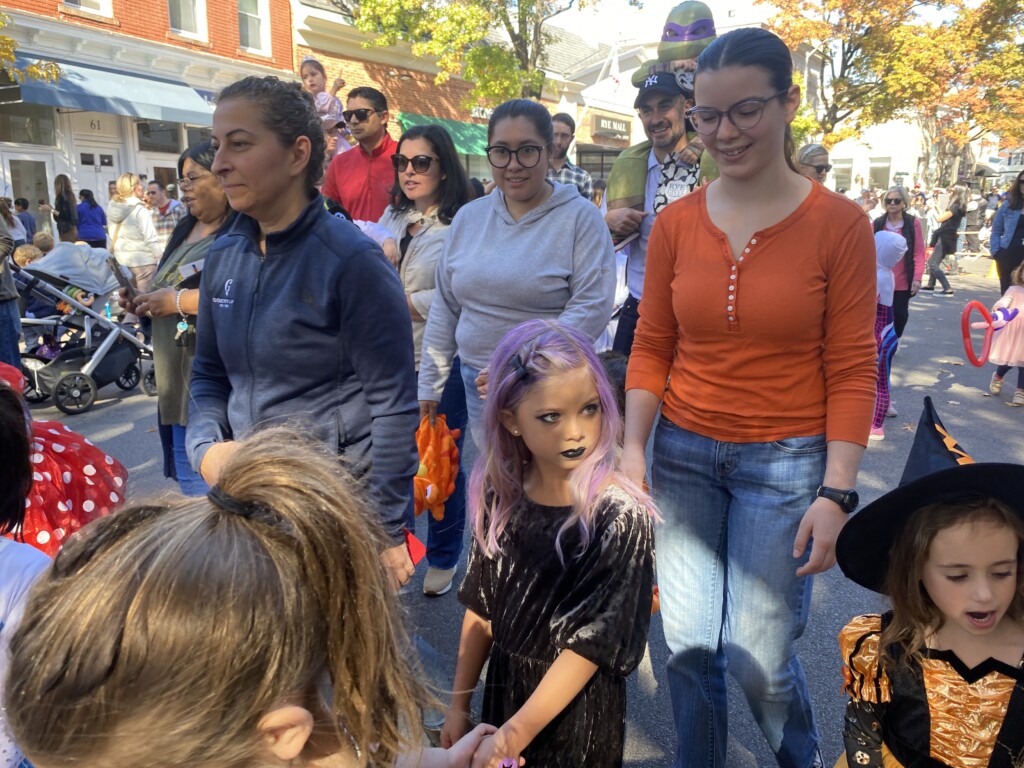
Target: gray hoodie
{"x":134,"y":238}
{"x":556,"y":262}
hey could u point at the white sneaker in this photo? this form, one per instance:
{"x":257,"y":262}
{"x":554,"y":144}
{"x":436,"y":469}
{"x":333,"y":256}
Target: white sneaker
{"x":438,"y":581}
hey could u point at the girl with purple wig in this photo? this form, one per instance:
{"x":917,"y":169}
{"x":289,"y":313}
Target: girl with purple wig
{"x":559,"y":579}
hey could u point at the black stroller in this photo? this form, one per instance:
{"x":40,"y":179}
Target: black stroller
{"x":86,"y":349}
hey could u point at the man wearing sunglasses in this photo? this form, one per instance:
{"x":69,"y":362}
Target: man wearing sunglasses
{"x":361,"y":179}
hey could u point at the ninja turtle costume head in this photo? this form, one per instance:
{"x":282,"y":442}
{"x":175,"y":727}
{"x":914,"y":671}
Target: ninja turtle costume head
{"x":688,"y":30}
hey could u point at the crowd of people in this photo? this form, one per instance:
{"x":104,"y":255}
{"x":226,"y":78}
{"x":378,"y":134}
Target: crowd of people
{"x":322,"y":289}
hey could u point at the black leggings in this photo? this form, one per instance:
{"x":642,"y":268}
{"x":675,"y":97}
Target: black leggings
{"x":900,"y":311}
{"x":1002,"y":370}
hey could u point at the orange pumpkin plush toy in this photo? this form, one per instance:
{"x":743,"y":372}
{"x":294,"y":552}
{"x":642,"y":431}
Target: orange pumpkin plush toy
{"x":439,"y":464}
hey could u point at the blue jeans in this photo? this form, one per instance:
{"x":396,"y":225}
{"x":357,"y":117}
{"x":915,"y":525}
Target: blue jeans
{"x":729,"y":596}
{"x":444,"y":537}
{"x":10,"y":333}
{"x":190,"y":481}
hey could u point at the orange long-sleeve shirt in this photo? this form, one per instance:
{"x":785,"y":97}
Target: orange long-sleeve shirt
{"x":775,"y":344}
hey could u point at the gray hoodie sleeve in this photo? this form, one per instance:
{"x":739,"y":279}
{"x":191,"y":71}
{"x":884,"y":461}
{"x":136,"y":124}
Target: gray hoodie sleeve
{"x":439,"y":345}
{"x":592,"y":285}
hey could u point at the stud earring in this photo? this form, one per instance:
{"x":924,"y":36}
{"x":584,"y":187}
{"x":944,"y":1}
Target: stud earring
{"x":515,"y":432}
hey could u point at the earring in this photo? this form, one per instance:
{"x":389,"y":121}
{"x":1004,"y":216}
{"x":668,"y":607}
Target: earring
{"x":515,"y":432}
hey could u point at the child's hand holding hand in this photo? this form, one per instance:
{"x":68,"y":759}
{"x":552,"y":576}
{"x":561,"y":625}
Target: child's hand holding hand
{"x":461,"y":753}
{"x":456,"y":726}
{"x":497,"y":749}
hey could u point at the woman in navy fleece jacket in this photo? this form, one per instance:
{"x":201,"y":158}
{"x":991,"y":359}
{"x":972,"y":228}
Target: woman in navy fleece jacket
{"x":301,"y":317}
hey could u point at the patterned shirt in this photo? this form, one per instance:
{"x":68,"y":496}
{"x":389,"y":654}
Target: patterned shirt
{"x":165,"y":221}
{"x":573,"y":174}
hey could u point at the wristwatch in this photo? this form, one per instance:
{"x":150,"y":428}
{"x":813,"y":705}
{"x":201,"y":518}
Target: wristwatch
{"x":847,"y":500}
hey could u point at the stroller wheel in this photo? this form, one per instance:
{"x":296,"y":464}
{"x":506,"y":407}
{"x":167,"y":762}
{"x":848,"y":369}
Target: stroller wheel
{"x":129,"y":378}
{"x":149,"y":383}
{"x":74,"y":392}
{"x":30,"y":365}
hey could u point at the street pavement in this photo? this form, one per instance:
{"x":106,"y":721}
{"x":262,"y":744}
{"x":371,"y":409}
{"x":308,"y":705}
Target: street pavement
{"x":930,"y":361}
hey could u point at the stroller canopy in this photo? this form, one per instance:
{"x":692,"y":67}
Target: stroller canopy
{"x":78,"y":264}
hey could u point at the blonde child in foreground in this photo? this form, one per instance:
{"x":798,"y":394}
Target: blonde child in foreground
{"x":252,"y":627}
{"x":558,"y":584}
{"x":938,"y":681}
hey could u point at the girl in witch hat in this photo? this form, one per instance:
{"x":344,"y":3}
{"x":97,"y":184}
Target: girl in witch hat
{"x":939,"y":679}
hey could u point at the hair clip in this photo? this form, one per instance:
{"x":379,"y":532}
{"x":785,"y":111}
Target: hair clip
{"x":518,"y":368}
{"x":228,"y":503}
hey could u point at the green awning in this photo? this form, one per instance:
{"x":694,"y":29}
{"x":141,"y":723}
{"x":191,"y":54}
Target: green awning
{"x":469,"y":138}
{"x":97,"y":89}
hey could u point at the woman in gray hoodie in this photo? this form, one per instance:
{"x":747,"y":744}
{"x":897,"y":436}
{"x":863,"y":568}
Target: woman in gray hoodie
{"x":531,"y":249}
{"x":133,"y":238}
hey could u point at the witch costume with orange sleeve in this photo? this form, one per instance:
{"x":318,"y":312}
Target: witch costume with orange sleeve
{"x":930,"y":711}
{"x":73,"y":481}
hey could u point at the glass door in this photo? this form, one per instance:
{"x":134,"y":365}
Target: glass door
{"x":29,"y":175}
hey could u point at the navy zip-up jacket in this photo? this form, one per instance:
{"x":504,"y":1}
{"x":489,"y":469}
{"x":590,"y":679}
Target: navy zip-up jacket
{"x":316,"y":334}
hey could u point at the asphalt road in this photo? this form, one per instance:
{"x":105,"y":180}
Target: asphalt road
{"x":930,"y":361}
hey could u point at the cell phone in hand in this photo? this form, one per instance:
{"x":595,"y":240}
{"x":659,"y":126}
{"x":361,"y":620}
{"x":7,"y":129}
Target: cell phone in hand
{"x":127,"y":281}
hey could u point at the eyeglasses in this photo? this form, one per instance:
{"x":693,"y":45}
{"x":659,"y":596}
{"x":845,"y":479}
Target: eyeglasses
{"x":744,"y":115}
{"x":360,"y":115}
{"x":893,"y":201}
{"x":420,"y":163}
{"x":187,"y":182}
{"x":820,"y":169}
{"x":527,"y":155}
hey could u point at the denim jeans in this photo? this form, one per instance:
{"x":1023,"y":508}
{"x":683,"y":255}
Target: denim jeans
{"x":730,"y":598}
{"x":444,"y":537}
{"x":10,"y":333}
{"x":190,"y":482}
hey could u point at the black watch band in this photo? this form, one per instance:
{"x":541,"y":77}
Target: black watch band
{"x":847,"y":500}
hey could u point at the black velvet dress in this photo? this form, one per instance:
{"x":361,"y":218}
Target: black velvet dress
{"x":597,"y":605}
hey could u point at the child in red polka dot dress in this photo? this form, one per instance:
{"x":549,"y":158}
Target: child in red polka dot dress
{"x":74,"y":482}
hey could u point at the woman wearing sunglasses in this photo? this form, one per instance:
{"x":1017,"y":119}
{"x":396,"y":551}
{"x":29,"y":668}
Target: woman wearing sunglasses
{"x":813,"y":163}
{"x":430,"y":188}
{"x":531,"y":249}
{"x":755,"y":346}
{"x":910,"y":268}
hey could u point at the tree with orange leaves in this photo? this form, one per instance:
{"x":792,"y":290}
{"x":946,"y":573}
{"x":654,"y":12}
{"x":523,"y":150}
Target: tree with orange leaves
{"x":961,"y":74}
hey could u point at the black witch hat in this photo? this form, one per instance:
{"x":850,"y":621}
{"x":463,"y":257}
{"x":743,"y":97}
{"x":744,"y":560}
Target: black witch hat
{"x":938,"y":469}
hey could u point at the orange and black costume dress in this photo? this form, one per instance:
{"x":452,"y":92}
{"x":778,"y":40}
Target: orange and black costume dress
{"x":932,"y":714}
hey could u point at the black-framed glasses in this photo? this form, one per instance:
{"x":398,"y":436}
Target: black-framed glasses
{"x":187,"y":182}
{"x":420,"y":163}
{"x":894,"y":201}
{"x":527,"y":155}
{"x":744,"y":114}
{"x":820,"y":169}
{"x":361,"y":115}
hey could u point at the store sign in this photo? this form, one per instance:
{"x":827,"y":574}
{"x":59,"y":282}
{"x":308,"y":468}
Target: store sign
{"x":96,"y":124}
{"x":611,"y":127}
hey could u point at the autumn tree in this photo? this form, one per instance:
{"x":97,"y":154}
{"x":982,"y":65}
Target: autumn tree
{"x":856,"y":42}
{"x":9,"y":73}
{"x":498,"y":45}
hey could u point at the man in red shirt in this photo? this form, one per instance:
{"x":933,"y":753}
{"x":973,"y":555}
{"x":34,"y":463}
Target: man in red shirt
{"x":361,"y":180}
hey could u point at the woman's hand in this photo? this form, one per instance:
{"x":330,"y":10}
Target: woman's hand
{"x":481,"y":383}
{"x":398,"y":565}
{"x":428,"y":408}
{"x":456,"y":726}
{"x":633,"y":464}
{"x":495,"y":748}
{"x":158,"y":303}
{"x":461,"y":752}
{"x":217,"y":455}
{"x":915,"y":287}
{"x":390,"y":248}
{"x":821,"y":523}
{"x":691,"y":152}
{"x":128,"y":304}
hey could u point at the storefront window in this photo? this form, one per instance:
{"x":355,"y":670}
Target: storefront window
{"x":596,"y":161}
{"x":197,"y":135}
{"x":477,"y":165}
{"x":157,"y":136}
{"x":28,"y":124}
